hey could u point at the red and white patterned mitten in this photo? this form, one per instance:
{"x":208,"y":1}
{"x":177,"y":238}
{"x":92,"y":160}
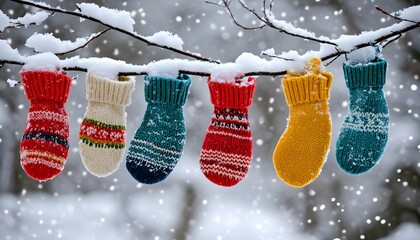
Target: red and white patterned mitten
{"x":227,"y":148}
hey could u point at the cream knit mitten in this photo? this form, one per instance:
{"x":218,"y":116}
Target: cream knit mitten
{"x":102,"y":132}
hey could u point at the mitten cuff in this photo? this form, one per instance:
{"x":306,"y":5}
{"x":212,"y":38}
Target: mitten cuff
{"x":108,"y":91}
{"x":44,"y":85}
{"x":232,"y":95}
{"x":307,"y":88}
{"x":172,"y":91}
{"x":372,"y":74}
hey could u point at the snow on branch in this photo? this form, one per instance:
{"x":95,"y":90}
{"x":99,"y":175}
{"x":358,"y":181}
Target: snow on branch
{"x":113,"y":23}
{"x":330,"y":48}
{"x":48,"y":43}
{"x":167,"y":39}
{"x":246,"y":64}
{"x":267,"y":18}
{"x":117,"y":18}
{"x":28,"y":19}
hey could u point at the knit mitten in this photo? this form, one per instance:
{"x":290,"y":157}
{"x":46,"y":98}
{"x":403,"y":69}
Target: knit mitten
{"x":102,"y":132}
{"x":45,"y":142}
{"x":158,"y":143}
{"x":227,"y":148}
{"x":302,"y":149}
{"x":364,"y":134}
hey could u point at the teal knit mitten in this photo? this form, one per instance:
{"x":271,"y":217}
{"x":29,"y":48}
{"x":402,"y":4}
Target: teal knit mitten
{"x":364,"y":134}
{"x":158,"y":143}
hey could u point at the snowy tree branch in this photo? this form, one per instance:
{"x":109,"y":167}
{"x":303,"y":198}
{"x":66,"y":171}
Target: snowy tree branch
{"x":393,"y":16}
{"x":119,"y":29}
{"x":27,"y":20}
{"x":90,"y":39}
{"x":277,"y":65}
{"x":19,"y":25}
{"x":267,"y":19}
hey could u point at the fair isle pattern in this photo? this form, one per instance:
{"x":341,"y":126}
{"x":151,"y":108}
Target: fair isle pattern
{"x":154,"y":157}
{"x":45,"y":137}
{"x":50,"y":116}
{"x":159,"y":148}
{"x":42,"y":155}
{"x":232,"y":159}
{"x":41,"y":161}
{"x":228,"y":133}
{"x":230,"y":119}
{"x":367,"y":122}
{"x":101,"y":135}
{"x":221,"y":170}
{"x":144,"y":149}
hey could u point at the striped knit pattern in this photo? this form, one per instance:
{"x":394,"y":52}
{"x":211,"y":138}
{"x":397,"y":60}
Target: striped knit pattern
{"x":102,"y":135}
{"x":45,"y":141}
{"x":227,"y":148}
{"x":364,"y":133}
{"x":159,"y":141}
{"x":303,"y":147}
{"x":102,"y":132}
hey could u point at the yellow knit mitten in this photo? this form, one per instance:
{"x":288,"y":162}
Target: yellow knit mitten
{"x":302,"y":149}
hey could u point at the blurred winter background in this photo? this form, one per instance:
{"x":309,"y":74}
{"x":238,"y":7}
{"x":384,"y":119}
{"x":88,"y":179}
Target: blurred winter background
{"x":381,"y":204}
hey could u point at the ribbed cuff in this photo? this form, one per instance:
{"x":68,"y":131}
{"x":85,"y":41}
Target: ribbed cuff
{"x":108,"y":91}
{"x":232,"y":95}
{"x":44,"y":85}
{"x":172,"y":91}
{"x":307,"y":88}
{"x":372,"y":74}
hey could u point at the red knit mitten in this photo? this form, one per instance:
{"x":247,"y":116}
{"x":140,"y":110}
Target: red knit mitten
{"x":227,"y":148}
{"x":45,"y":142}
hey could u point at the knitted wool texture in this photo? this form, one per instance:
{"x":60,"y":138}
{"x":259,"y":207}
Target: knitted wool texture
{"x":102,"y":132}
{"x":302,"y":149}
{"x":364,"y":134}
{"x":227,"y":148}
{"x":158,"y":143}
{"x":45,"y":142}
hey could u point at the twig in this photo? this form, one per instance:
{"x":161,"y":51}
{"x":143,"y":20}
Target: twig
{"x":393,"y":16}
{"x":201,"y":74}
{"x":266,"y":20}
{"x":271,"y":5}
{"x":392,"y":40}
{"x":272,"y":74}
{"x":18,"y":25}
{"x":11,"y":62}
{"x":265,"y":12}
{"x":229,"y":10}
{"x":87,"y":42}
{"x":213,"y":3}
{"x":131,"y":34}
{"x":335,"y":58}
{"x":275,"y":56}
{"x":251,"y":11}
